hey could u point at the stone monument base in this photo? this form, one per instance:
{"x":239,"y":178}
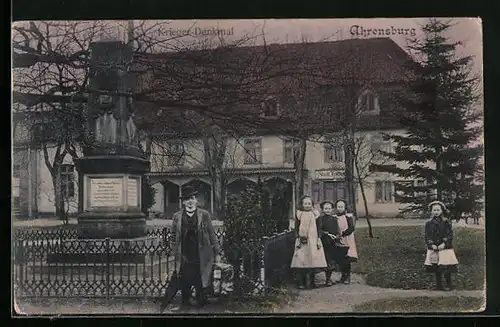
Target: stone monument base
{"x":114,"y":225}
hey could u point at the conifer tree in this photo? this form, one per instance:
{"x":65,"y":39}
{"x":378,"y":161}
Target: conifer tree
{"x":442,"y":124}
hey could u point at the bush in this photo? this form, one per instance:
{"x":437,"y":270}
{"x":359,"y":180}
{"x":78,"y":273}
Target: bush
{"x":148,"y":195}
{"x":250,"y":216}
{"x":395,"y":258}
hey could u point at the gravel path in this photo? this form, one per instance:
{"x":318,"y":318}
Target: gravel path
{"x":334,"y":299}
{"x":342,"y":298}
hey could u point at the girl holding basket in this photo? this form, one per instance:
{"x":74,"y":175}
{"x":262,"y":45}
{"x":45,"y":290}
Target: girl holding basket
{"x":308,"y":254}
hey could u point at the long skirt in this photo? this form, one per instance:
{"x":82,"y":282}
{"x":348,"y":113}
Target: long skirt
{"x":441,"y":261}
{"x":352,"y":253}
{"x":308,"y":256}
{"x":334,"y":254}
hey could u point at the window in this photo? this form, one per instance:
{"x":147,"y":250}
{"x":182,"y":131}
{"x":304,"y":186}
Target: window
{"x":421,"y":190}
{"x":400,"y":185}
{"x":383,"y":191}
{"x":291,"y":150}
{"x":378,"y":145}
{"x":270,"y":108}
{"x":175,"y":154}
{"x":368,"y":102}
{"x":67,"y":181}
{"x":333,"y":152}
{"x":386,"y":146}
{"x":253,"y":151}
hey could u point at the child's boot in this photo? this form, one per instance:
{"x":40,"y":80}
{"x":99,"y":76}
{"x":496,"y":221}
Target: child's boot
{"x":439,"y":282}
{"x":312,"y":280}
{"x":328,"y":277}
{"x":347,"y":273}
{"x":449,"y":285}
{"x":303,"y":280}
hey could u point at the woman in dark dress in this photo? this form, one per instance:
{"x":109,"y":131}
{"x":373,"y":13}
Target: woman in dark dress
{"x":335,"y":250}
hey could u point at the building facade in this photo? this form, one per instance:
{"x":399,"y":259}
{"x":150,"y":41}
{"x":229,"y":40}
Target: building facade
{"x":176,"y":162}
{"x":268,"y":157}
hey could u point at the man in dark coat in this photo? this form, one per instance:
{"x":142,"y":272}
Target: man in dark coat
{"x":196,"y":248}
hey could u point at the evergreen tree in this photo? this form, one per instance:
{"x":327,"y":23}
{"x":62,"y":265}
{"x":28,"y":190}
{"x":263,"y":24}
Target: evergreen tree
{"x":441,"y":120}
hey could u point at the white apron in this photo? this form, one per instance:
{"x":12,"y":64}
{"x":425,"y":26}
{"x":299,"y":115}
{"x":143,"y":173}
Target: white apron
{"x":441,"y":258}
{"x":349,"y":240}
{"x":308,"y":255}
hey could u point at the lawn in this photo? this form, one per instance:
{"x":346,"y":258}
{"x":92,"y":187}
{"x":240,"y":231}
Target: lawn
{"x":423,"y":304}
{"x":394,"y":258}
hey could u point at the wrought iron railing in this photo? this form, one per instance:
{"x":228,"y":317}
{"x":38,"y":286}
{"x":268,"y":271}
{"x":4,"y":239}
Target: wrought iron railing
{"x":55,"y":263}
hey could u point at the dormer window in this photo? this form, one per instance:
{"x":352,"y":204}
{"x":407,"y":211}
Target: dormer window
{"x":270,"y":108}
{"x":368,"y":102}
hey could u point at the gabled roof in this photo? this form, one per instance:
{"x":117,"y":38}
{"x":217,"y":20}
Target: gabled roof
{"x":282,"y":70}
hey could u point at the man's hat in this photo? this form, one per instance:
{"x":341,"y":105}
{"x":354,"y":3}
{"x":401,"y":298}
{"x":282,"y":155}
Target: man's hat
{"x":187,"y":192}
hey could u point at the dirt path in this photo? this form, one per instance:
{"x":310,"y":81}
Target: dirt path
{"x":334,"y":299}
{"x":342,"y":298}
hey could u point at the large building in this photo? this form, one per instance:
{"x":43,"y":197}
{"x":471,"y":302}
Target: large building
{"x":179,"y":156}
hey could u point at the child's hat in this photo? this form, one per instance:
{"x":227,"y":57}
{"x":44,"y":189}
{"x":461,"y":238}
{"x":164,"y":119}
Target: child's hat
{"x":325,"y":202}
{"x":438,"y":203}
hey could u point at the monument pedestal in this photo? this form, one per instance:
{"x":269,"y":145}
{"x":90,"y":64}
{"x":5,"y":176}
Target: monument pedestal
{"x":110,"y":212}
{"x":111,"y":197}
{"x":115,"y":225}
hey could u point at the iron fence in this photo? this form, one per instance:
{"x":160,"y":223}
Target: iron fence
{"x":55,"y":263}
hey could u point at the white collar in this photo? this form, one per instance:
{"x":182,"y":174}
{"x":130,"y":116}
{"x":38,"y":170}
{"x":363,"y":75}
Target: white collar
{"x":190,"y":213}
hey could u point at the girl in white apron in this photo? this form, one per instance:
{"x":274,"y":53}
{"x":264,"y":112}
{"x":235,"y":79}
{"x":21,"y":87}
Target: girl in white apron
{"x":308,"y":254}
{"x":346,"y":227}
{"x":440,"y":258}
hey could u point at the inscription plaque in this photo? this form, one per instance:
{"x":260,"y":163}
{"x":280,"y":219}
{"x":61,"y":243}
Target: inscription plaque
{"x":132,"y":199}
{"x":106,"y":192}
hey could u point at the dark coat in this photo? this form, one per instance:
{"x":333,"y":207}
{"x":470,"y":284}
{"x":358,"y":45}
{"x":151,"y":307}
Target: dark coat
{"x":208,"y":244}
{"x":438,"y":231}
{"x":325,"y":223}
{"x":333,"y":252}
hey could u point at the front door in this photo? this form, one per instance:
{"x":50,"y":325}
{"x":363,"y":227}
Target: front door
{"x":333,"y":190}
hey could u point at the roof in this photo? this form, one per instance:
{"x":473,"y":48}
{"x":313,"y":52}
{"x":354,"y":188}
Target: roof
{"x":232,"y":82}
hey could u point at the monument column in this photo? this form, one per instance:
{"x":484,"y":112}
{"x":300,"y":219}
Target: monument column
{"x":112,"y":166}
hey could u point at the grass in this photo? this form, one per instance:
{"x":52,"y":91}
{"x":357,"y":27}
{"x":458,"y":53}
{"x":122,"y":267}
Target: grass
{"x":394,"y":258}
{"x":221,"y":305}
{"x":423,"y":304}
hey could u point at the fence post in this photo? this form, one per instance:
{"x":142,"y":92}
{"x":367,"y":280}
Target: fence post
{"x":20,"y":262}
{"x":107,"y":250}
{"x":266,"y":262}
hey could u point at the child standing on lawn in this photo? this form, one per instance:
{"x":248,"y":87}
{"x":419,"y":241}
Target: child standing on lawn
{"x":440,"y":258}
{"x":347,"y":224}
{"x":308,"y":254}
